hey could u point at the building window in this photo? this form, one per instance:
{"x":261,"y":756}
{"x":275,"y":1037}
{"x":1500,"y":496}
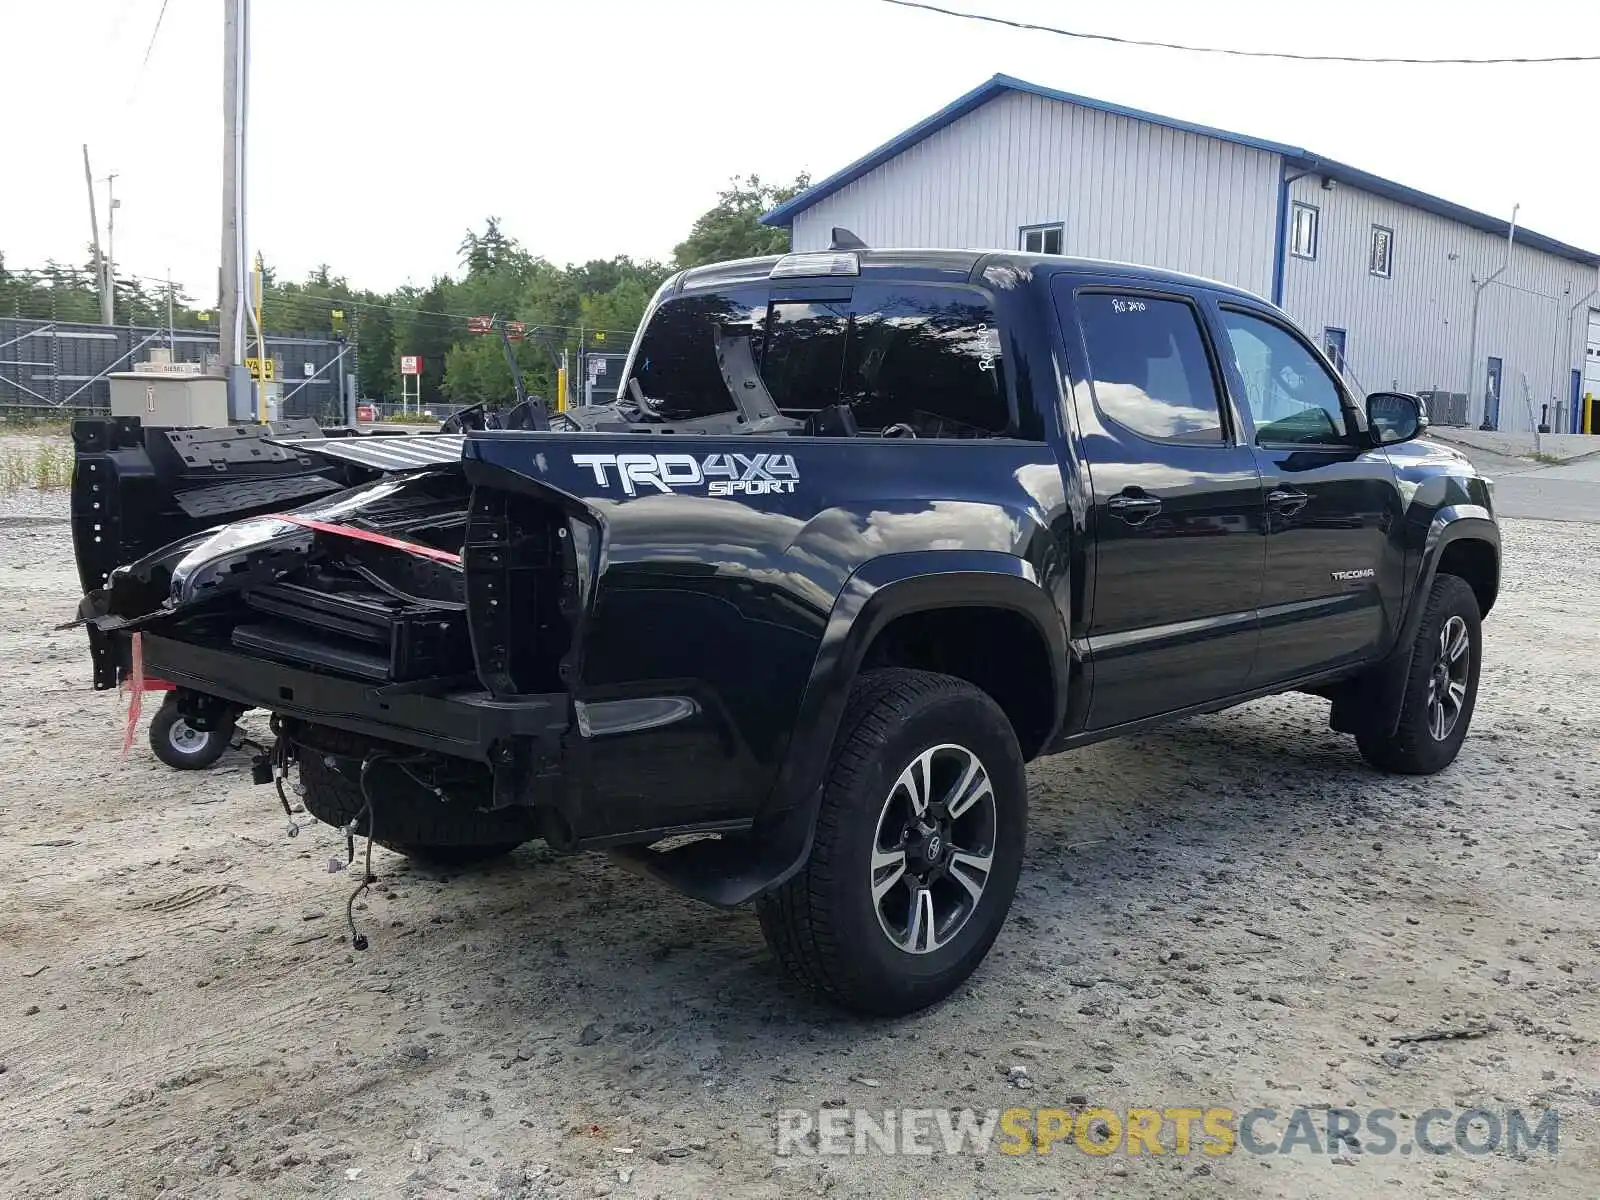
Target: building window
{"x":1303,"y":231}
{"x":1040,"y":239}
{"x":1382,"y":263}
{"x":1333,"y":341}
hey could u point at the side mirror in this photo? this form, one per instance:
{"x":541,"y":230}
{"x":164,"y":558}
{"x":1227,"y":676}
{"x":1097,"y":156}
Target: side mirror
{"x":1394,"y":417}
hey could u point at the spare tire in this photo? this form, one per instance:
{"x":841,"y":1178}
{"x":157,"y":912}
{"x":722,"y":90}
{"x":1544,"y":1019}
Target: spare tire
{"x":409,"y":819}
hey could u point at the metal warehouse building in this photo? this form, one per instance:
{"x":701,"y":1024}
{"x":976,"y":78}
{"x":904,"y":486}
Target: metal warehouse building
{"x":1387,"y":276}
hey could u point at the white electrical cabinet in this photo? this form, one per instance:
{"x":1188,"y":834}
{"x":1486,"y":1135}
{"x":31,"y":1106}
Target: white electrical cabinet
{"x":168,"y":400}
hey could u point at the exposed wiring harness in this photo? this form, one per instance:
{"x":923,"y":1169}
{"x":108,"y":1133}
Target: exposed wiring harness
{"x":358,"y":940}
{"x":364,"y":823}
{"x":273,"y":764}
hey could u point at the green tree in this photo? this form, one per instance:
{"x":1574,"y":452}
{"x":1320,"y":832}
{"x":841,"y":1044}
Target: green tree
{"x":732,"y":228}
{"x":376,"y":369}
{"x":617,"y":311}
{"x":475,"y":369}
{"x":426,"y":326}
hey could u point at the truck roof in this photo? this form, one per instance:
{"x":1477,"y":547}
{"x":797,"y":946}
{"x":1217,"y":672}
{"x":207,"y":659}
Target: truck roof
{"x":941,"y":265}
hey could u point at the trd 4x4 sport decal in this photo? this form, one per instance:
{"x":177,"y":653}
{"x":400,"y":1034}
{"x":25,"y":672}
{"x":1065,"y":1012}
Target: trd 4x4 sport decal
{"x":718,"y":474}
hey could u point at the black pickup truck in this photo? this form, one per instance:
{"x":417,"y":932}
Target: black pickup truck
{"x":871,"y":530}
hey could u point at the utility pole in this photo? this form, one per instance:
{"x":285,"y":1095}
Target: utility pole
{"x":94,"y":225}
{"x":235,"y":71}
{"x":112,"y":204}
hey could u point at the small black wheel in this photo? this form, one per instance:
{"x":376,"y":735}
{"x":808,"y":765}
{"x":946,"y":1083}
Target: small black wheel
{"x":180,"y":745}
{"x":1441,"y":690}
{"x":918,"y":846}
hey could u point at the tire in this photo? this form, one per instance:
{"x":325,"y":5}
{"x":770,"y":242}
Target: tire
{"x":1449,"y":622}
{"x":408,"y":820}
{"x":181,"y":746}
{"x":825,"y":926}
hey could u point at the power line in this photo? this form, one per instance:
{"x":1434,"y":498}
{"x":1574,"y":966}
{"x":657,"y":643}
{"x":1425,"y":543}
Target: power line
{"x":154,"y":33}
{"x":1280,"y":54}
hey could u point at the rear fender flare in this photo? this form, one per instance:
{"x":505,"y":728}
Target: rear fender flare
{"x":873,"y":596}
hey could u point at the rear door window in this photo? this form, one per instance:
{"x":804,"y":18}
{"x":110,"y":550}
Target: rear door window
{"x":1149,"y":367}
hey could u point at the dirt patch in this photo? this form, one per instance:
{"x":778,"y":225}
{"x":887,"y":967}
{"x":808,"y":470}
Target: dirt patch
{"x":1231,"y":912}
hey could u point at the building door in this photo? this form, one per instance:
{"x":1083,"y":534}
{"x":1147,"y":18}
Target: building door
{"x":1491,"y":395}
{"x":1591,"y":369}
{"x":1333,"y":343}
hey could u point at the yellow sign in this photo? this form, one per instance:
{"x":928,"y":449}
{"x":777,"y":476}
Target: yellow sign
{"x":255,"y":365}
{"x":599,"y":335}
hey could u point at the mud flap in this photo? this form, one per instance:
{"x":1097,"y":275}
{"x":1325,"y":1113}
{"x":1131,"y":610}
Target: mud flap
{"x":1372,"y":702}
{"x":732,"y":869}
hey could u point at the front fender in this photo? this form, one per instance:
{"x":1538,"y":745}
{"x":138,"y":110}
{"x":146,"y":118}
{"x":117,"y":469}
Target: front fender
{"x":1447,"y":524}
{"x":1376,"y":698}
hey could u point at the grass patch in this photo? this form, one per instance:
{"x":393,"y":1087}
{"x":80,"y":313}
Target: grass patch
{"x":1549,"y":460}
{"x":43,"y":469}
{"x":36,"y":428}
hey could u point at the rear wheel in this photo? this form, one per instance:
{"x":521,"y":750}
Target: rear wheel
{"x":409,"y":819}
{"x":918,"y":846}
{"x":180,"y":745}
{"x":1441,"y":690}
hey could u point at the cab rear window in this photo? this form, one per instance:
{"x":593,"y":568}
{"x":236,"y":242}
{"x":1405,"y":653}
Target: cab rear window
{"x":928,"y":358}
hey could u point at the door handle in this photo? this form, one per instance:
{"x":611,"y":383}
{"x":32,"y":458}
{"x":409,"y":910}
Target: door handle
{"x":1287,"y":502}
{"x":1135,"y":510}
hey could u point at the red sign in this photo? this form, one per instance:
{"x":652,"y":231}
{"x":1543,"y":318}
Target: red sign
{"x":479,"y":324}
{"x":411,"y":364}
{"x":515,"y":330}
{"x":366,"y":414}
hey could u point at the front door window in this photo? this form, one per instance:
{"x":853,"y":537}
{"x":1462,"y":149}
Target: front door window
{"x":1291,"y":397}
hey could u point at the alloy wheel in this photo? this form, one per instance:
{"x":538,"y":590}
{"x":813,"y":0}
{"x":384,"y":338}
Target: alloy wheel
{"x":1447,"y":681}
{"x":933,"y":851}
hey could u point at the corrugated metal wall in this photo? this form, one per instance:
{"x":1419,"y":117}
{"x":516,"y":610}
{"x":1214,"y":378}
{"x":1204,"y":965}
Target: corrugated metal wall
{"x":1412,"y":330}
{"x":1124,"y":190}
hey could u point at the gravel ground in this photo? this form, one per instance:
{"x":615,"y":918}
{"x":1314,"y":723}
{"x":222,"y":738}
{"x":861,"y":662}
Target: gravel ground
{"x":1233,"y":911}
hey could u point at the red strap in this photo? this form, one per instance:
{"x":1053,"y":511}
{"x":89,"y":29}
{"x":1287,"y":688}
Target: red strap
{"x":136,"y":687}
{"x":377,"y":539}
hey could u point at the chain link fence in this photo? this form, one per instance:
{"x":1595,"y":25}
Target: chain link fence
{"x":52,"y":370}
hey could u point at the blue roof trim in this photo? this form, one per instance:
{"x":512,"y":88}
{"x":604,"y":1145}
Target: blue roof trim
{"x":785,"y":213}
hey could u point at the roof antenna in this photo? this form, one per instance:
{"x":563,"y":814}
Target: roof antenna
{"x":843,"y":239}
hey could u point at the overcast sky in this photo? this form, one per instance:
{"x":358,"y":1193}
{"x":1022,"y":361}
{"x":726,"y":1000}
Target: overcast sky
{"x":381,"y":129}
